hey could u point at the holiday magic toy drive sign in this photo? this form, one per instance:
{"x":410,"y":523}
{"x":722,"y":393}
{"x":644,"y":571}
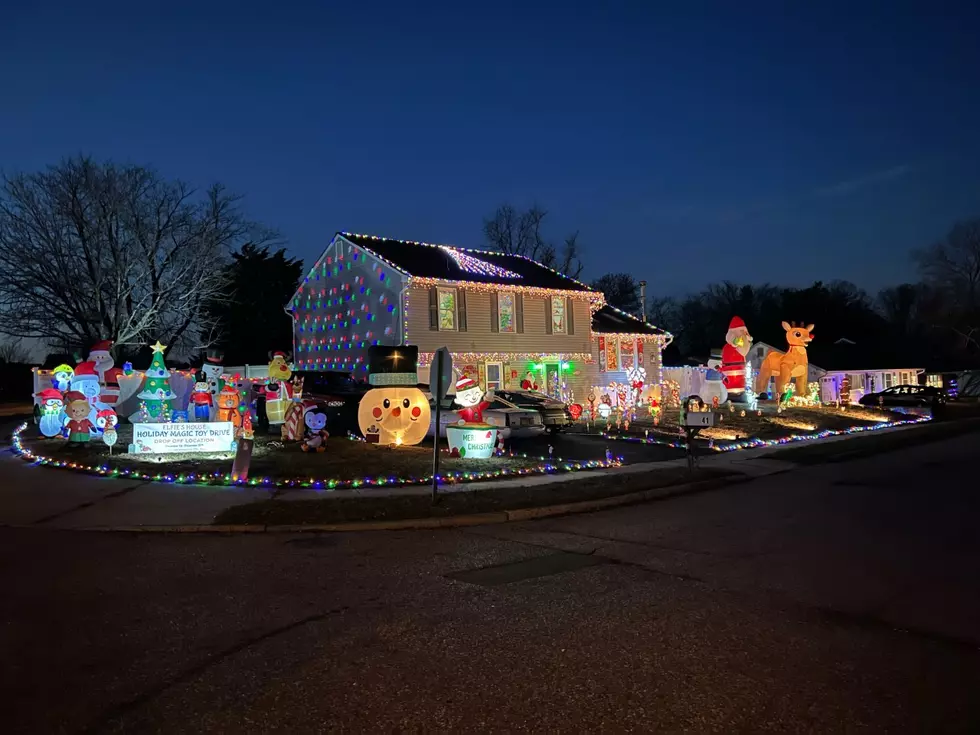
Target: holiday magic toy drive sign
{"x":183,"y":437}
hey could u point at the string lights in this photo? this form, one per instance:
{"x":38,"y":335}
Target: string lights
{"x":476,"y":266}
{"x":548,"y":466}
{"x":425,"y":358}
{"x":756,"y":443}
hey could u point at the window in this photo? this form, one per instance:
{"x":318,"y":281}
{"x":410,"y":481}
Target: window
{"x":506,"y":321}
{"x":889,"y":380}
{"x":905,"y":379}
{"x":612,"y":353}
{"x":447,"y":309}
{"x":495,"y":372}
{"x":558,"y":325}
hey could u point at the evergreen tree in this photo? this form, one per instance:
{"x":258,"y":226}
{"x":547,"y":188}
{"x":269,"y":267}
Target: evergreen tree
{"x":156,"y":394}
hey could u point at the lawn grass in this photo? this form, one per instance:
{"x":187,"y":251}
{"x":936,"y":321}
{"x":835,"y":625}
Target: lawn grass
{"x":344,"y":459}
{"x":336,"y":508}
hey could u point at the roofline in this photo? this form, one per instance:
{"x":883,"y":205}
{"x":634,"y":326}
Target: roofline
{"x":660,"y":332}
{"x":879,"y":370}
{"x":463,"y":250}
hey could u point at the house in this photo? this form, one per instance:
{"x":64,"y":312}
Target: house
{"x":871,"y":368}
{"x":626,"y":347}
{"x":505,"y":318}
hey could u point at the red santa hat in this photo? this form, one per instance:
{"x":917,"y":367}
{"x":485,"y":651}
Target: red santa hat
{"x":75,"y":395}
{"x":736,"y":323}
{"x":103,"y":346}
{"x":49,"y":394}
{"x":465,"y":383}
{"x":86,"y":369}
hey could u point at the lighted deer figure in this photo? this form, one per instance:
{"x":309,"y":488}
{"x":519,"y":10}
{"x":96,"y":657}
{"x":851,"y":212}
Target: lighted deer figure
{"x":793,"y":365}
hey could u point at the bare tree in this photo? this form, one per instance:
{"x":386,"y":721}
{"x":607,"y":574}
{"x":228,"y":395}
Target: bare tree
{"x":951,"y":267}
{"x":519,"y":233}
{"x":13,"y":351}
{"x":93,"y":251}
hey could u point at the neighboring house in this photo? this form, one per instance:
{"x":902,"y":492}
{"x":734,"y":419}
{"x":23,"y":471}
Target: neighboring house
{"x":622,"y":343}
{"x":870,"y":370}
{"x":500,"y":315}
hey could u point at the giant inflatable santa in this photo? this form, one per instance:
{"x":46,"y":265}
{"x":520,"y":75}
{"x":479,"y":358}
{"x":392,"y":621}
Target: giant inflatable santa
{"x":737,"y":344}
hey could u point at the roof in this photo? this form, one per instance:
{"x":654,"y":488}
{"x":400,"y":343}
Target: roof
{"x":451,"y":263}
{"x":610,"y":320}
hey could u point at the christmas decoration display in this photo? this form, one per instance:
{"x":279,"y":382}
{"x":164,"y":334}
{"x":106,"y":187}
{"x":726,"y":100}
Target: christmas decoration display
{"x":200,"y":399}
{"x":529,"y":382}
{"x":106,"y":420}
{"x":86,"y":381}
{"x":212,"y":368}
{"x":243,"y":451}
{"x":395,"y":411}
{"x":673,"y":399}
{"x":575,"y":411}
{"x":156,"y":394}
{"x":472,"y":400}
{"x":292,"y":425}
{"x":220,"y":478}
{"x":471,"y":437}
{"x":77,"y":410}
{"x":845,"y":391}
{"x":61,"y":377}
{"x":316,"y":431}
{"x":278,"y":389}
{"x":127,"y":368}
{"x":52,"y":404}
{"x":229,"y":403}
{"x":791,"y":366}
{"x":477,"y":266}
{"x":713,"y":389}
{"x":738,"y":341}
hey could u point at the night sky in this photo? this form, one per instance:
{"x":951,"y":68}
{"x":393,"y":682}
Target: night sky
{"x":690,"y":145}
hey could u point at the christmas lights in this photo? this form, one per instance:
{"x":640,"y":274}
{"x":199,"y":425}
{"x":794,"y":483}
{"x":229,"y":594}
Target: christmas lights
{"x":476,"y":266}
{"x":425,"y":358}
{"x":756,"y":443}
{"x":548,"y":466}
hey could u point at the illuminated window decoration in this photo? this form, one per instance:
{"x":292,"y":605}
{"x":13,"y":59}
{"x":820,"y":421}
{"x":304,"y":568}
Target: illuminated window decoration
{"x":558,"y":324}
{"x":477,"y":266}
{"x":627,"y":353}
{"x":506,"y":322}
{"x":594,"y":298}
{"x":612,"y":354}
{"x":425,"y":358}
{"x":447,"y":308}
{"x":547,"y":466}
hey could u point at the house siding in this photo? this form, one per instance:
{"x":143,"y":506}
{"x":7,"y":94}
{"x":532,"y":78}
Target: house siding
{"x":348,"y":301}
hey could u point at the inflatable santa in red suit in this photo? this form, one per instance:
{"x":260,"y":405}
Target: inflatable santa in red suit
{"x":737,"y":344}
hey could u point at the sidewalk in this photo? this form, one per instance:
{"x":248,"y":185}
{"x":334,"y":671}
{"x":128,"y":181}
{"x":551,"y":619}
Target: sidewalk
{"x":41,"y":497}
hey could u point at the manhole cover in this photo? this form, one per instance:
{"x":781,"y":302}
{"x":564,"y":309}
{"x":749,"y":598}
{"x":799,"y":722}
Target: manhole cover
{"x":541,"y":566}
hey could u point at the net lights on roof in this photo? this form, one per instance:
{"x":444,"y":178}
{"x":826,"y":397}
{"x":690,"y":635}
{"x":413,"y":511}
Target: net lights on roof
{"x":476,"y":266}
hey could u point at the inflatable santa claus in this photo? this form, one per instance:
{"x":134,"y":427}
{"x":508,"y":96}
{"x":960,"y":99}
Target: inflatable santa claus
{"x":737,"y":344}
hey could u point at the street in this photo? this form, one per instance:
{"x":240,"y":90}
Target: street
{"x":828,"y":598}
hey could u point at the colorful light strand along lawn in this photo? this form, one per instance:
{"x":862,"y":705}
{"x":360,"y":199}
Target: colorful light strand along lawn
{"x":548,"y":467}
{"x":756,"y":443}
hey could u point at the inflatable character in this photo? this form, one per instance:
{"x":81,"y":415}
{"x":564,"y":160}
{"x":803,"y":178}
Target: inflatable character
{"x":316,"y":432}
{"x":472,"y":400}
{"x":213,"y":368}
{"x":394,"y":411}
{"x":77,"y":410}
{"x":201,"y":398}
{"x":793,"y":365}
{"x":52,"y":403}
{"x":61,"y":377}
{"x":228,"y":403}
{"x":528,"y":383}
{"x":278,"y":388}
{"x":292,"y":426}
{"x":738,"y":341}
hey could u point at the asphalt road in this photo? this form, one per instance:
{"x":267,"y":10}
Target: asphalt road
{"x":833,"y":598}
{"x":578,"y":445}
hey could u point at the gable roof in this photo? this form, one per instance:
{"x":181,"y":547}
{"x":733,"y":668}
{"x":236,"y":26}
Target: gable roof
{"x":610,"y":320}
{"x":451,"y":263}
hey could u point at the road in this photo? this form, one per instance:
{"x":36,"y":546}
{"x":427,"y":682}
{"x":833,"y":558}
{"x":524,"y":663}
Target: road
{"x":834,"y":597}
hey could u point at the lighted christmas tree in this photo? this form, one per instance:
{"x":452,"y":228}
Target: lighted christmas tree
{"x":156,"y":394}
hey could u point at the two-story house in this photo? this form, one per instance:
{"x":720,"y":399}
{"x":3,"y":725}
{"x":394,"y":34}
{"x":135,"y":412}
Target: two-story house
{"x":505,"y":318}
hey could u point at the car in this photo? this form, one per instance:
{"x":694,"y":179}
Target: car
{"x":905,"y":395}
{"x":337,"y":395}
{"x":554,"y":413}
{"x":511,"y":421}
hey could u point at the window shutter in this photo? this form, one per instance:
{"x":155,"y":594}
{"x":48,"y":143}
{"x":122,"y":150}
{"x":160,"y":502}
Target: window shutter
{"x":519,"y":312}
{"x":547,"y":315}
{"x":433,"y":309}
{"x":570,"y":315}
{"x":494,"y":313}
{"x":461,"y":310}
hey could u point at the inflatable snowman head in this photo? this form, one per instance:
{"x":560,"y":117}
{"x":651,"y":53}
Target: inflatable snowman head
{"x":394,"y":411}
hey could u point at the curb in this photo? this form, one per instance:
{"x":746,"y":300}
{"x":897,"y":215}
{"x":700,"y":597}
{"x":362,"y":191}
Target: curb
{"x":462,"y":521}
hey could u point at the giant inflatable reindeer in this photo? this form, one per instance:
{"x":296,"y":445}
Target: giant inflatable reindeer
{"x":791,"y":365}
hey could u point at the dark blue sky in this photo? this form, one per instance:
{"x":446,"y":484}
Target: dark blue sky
{"x":718,"y":140}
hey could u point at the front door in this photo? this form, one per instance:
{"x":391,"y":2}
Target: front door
{"x":552,"y":384}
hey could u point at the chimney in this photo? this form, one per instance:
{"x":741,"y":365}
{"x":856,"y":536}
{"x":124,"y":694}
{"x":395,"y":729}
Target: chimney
{"x":643,"y":300}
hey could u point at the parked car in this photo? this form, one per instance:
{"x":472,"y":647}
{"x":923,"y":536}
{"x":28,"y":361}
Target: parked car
{"x":554,"y":414}
{"x":511,"y":421}
{"x":905,"y":395}
{"x":338,"y":395}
